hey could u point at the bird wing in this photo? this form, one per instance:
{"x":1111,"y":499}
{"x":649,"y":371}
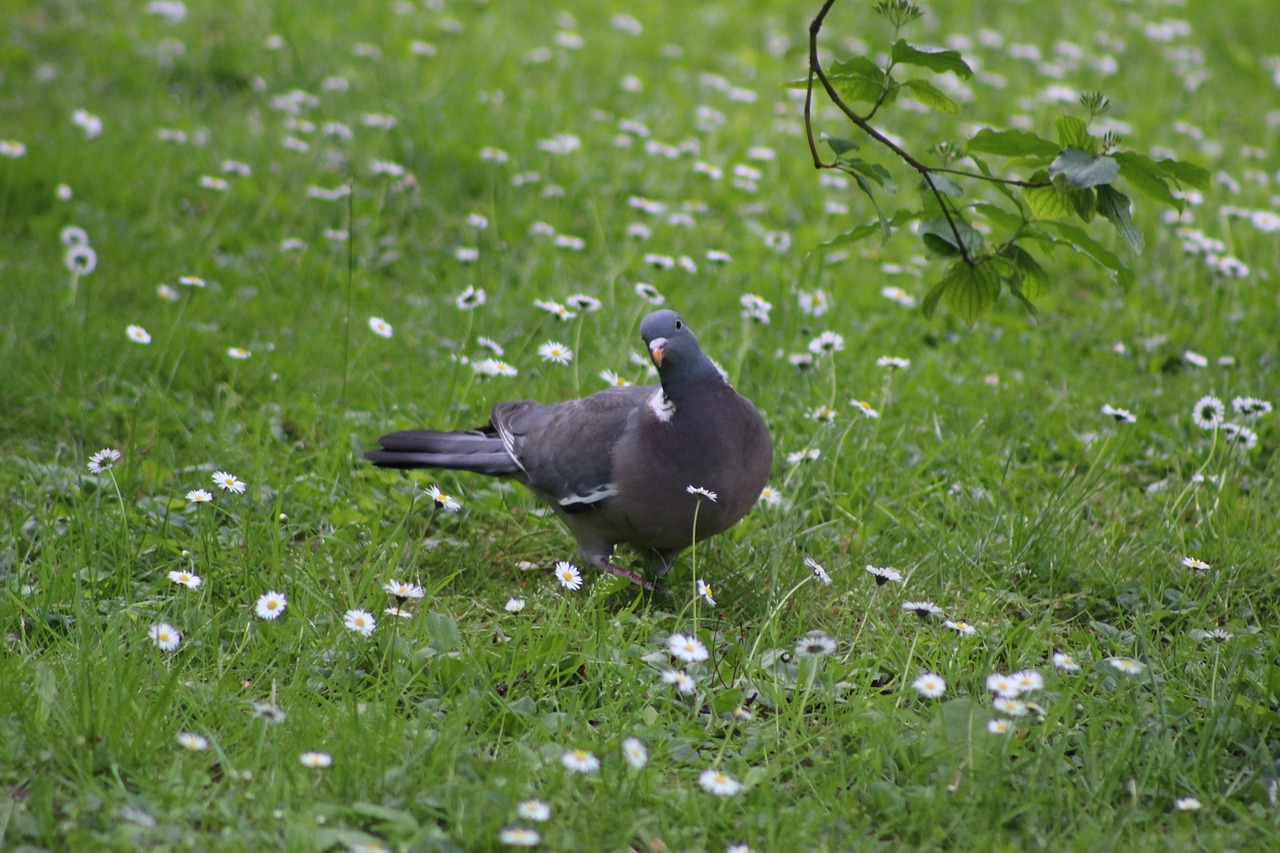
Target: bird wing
{"x":565,"y":449}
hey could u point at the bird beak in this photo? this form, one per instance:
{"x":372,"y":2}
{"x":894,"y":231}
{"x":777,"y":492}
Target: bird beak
{"x":657,"y":348}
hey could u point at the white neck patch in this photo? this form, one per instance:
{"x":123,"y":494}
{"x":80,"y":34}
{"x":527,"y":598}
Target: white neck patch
{"x":662,"y":407}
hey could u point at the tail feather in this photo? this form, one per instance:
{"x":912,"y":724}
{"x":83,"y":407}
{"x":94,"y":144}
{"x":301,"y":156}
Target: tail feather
{"x":458,"y":451}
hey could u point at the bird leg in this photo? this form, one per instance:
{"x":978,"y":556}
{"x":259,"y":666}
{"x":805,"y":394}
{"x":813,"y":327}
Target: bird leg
{"x":610,"y":569}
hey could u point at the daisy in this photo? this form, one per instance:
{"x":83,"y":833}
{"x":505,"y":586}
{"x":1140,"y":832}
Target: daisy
{"x":228,"y":482}
{"x":1028,"y":680}
{"x":270,"y":605}
{"x":826,"y":343}
{"x":584,"y":303}
{"x":813,"y":303}
{"x":612,"y":378}
{"x":404,"y":591}
{"x":1002,"y":685}
{"x":1240,"y":436}
{"x":199,"y":496}
{"x":769,"y":496}
{"x":822,"y":414}
{"x":1065,"y":663}
{"x":865,"y":408}
{"x":73,"y":235}
{"x":961,"y":627}
{"x":719,"y":783}
{"x":185,"y":578}
{"x":809,"y":455}
{"x":12,"y":148}
{"x":555,"y":351}
{"x":380,"y":327}
{"x":568,"y":575}
{"x":800,"y":360}
{"x":1208,"y":412}
{"x":681,"y":681}
{"x":634,"y":751}
{"x":686,"y":648}
{"x":1250,"y":407}
{"x":534,"y":810}
{"x":999,"y":726}
{"x":442,"y":500}
{"x":649,"y":293}
{"x":1218,"y":634}
{"x":519,"y":836}
{"x":165,"y":636}
{"x":398,"y":612}
{"x":1009,"y":706}
{"x":191,"y":281}
{"x":514,"y":605}
{"x":893,"y":362}
{"x":1187,"y":804}
{"x":1195,"y":565}
{"x":1120,"y":415}
{"x":701,"y":493}
{"x":717,"y":256}
{"x":238,"y":353}
{"x":81,"y":260}
{"x":104,"y":460}
{"x":268,"y":713}
{"x":923,"y":609}
{"x":491,"y":345}
{"x":898,"y":295}
{"x":884,"y":575}
{"x":930,"y":686}
{"x":316,"y":760}
{"x":705,"y":591}
{"x":359,"y":621}
{"x":1195,"y":358}
{"x":819,"y":572}
{"x":580,"y":761}
{"x":192,"y":741}
{"x":755,"y":308}
{"x":470,"y":299}
{"x":815,"y":644}
{"x":1128,"y":666}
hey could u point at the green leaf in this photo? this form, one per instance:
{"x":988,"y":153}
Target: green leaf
{"x":999,"y":216}
{"x":1186,"y":173}
{"x":865,"y":186}
{"x":1074,"y":133}
{"x":840,"y":146}
{"x":941,"y":61}
{"x":1047,"y":202}
{"x":1077,"y":169}
{"x":873,"y":171}
{"x":1079,"y":241}
{"x":443,"y":631}
{"x":940,"y":240}
{"x":862,"y":232}
{"x":972,"y":290}
{"x":858,"y":79}
{"x":1034,"y":278}
{"x":1114,"y":205}
{"x":931,"y":96}
{"x":1147,"y":177}
{"x":944,"y":185}
{"x":1084,"y":203}
{"x":1011,"y":143}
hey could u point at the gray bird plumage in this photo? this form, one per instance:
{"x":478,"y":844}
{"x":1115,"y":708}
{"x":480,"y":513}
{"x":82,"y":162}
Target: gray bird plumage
{"x":616,"y":466}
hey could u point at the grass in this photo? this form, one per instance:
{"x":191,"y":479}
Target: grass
{"x":990,"y":479}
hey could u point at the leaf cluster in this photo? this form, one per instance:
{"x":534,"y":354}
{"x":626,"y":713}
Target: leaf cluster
{"x":1052,"y":189}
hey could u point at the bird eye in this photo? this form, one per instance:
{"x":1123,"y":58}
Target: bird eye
{"x":679,"y":325}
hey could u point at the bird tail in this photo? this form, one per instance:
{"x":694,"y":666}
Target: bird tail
{"x":478,"y":451}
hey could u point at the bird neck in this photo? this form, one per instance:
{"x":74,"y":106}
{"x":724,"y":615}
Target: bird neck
{"x":692,"y":379}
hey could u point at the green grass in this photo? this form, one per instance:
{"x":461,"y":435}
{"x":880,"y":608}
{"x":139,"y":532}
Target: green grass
{"x":990,"y":479}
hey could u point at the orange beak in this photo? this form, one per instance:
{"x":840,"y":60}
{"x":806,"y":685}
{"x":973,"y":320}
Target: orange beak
{"x":657,"y":348}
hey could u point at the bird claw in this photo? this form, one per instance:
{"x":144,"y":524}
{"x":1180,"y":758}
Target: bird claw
{"x":611,"y":569}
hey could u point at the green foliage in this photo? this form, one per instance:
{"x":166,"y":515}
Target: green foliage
{"x":1078,"y":183}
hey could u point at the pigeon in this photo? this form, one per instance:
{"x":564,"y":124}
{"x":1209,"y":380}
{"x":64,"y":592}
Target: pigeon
{"x":652,"y":467}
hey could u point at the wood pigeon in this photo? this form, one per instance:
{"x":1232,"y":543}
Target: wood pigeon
{"x":625,"y":466}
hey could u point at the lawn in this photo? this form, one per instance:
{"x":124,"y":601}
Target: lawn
{"x":239,"y":241}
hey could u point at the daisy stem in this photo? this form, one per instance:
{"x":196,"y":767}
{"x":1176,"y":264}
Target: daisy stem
{"x":351,"y":272}
{"x":693,"y":559}
{"x":773,"y":614}
{"x":577,"y":352}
